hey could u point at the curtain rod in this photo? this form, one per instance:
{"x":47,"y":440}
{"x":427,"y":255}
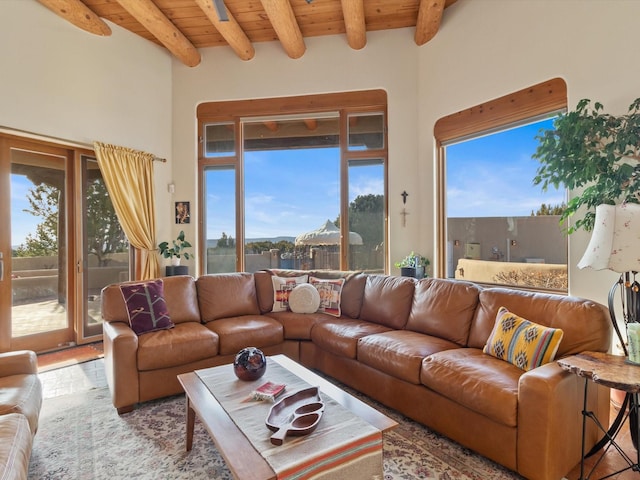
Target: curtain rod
{"x":47,"y":138}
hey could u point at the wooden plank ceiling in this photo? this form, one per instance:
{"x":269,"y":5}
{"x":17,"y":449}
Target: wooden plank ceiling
{"x":184,"y":26}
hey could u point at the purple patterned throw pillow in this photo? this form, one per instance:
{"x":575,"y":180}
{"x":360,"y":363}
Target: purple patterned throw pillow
{"x":146,"y":306}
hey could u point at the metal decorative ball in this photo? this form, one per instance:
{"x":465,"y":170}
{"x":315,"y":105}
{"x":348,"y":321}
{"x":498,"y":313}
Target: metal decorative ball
{"x":249,"y":364}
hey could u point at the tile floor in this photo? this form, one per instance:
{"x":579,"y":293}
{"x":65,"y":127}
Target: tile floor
{"x":74,"y":378}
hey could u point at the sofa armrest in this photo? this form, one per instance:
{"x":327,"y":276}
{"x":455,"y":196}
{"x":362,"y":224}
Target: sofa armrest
{"x":550,"y":404}
{"x":121,"y":365}
{"x":20,"y":362}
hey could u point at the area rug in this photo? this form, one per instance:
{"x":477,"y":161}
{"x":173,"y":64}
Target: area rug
{"x":82,"y":437}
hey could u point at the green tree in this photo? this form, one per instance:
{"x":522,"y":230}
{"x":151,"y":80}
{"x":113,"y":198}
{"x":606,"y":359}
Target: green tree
{"x":104,"y":235}
{"x":43,"y":201}
{"x":225,"y":241}
{"x":366,"y":218}
{"x":550,"y":210}
{"x":259,"y":247}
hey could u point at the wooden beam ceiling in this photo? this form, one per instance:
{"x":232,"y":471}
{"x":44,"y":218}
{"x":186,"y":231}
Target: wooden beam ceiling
{"x":429,"y":18}
{"x":149,"y":15}
{"x":230,"y":30}
{"x":183,"y":26}
{"x":286,"y":26}
{"x":79,"y":14}
{"x":354,"y":22}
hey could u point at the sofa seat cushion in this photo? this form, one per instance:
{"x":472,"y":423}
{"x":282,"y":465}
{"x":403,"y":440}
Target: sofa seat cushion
{"x":22,"y":394}
{"x":237,"y":333}
{"x":399,"y":353}
{"x":340,"y":335}
{"x":185,"y":343}
{"x":297,"y":326}
{"x":475,"y":380}
{"x":15,"y":446}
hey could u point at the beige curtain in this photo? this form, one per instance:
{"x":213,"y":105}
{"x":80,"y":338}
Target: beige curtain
{"x":128,"y":175}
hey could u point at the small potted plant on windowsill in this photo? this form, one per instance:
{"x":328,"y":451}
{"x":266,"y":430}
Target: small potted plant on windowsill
{"x":413,"y":265}
{"x":175,"y":253}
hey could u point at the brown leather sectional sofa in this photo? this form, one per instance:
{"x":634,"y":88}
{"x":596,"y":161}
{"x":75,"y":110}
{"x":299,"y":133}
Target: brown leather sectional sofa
{"x":20,"y":403}
{"x":415,"y":346}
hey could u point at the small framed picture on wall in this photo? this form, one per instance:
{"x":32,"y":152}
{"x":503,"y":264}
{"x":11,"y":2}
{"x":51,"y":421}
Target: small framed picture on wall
{"x":183,"y":212}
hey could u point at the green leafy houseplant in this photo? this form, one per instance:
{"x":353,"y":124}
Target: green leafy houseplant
{"x":417,"y":262}
{"x":413,"y":260}
{"x":177,"y":249}
{"x":596,"y":155}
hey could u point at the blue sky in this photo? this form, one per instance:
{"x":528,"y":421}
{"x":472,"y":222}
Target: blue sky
{"x":488,"y":176}
{"x":492,"y":176}
{"x":309,"y":199}
{"x":21,"y":222}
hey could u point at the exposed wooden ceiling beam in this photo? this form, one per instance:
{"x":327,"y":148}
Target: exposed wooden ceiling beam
{"x":311,"y":123}
{"x":76,"y":12}
{"x":353,"y":13}
{"x":286,"y":26}
{"x":273,"y":126}
{"x":230,"y":30}
{"x":151,"y":18}
{"x":429,"y":18}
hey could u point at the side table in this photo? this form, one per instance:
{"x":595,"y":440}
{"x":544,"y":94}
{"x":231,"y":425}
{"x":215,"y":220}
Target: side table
{"x":612,"y":371}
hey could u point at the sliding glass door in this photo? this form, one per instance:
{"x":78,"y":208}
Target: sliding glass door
{"x":36,"y":303}
{"x":104,"y":247}
{"x":60,"y":245}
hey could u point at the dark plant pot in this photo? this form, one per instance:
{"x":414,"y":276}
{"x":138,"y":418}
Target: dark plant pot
{"x":250,"y":364}
{"x":171,"y":270}
{"x":419,"y":272}
{"x":408,"y":271}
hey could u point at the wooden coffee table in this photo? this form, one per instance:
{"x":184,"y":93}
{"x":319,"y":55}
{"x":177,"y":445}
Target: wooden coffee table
{"x":241,"y":457}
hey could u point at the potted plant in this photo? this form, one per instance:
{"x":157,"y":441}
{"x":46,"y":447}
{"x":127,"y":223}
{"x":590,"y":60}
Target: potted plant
{"x":594,"y":154}
{"x":413,"y":265}
{"x":175,"y":251}
{"x":599,"y":155}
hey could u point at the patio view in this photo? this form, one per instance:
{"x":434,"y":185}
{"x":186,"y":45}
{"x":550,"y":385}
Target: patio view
{"x":39,"y":278}
{"x":500,"y":228}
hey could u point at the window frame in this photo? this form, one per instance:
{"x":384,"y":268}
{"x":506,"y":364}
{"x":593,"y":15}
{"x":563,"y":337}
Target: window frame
{"x":529,"y":103}
{"x":235,"y":111}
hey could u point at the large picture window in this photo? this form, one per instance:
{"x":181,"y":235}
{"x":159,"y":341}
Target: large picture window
{"x":495,"y":226}
{"x":294,"y":183}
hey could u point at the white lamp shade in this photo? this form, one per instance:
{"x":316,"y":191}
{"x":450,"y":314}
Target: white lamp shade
{"x":615,"y":240}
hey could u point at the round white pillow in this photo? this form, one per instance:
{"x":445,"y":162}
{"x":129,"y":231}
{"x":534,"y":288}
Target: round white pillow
{"x":304,"y":298}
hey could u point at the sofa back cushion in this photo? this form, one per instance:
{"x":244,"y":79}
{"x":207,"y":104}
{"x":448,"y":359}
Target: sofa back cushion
{"x":179,"y":294}
{"x":387,"y":300}
{"x":444,"y":308}
{"x":223,"y":295}
{"x":352,"y":290}
{"x":585,"y":324}
{"x":264,"y":286}
{"x":146,"y":306}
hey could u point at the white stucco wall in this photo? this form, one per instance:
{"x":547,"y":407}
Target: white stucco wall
{"x":389,"y":62}
{"x":490,"y":48}
{"x":60,"y":81}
